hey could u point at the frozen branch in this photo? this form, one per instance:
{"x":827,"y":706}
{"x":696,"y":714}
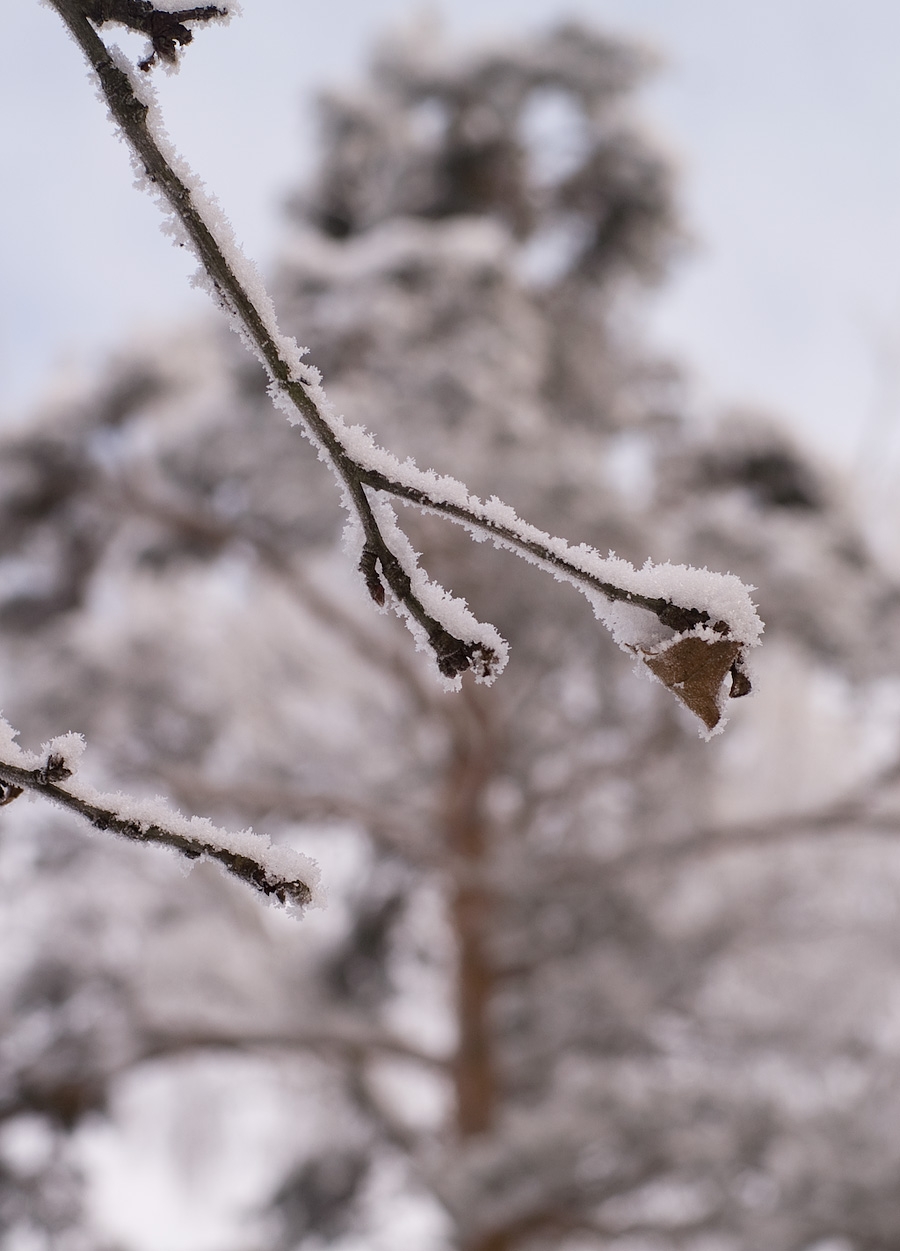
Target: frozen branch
{"x":278,"y":872}
{"x":699,"y":623}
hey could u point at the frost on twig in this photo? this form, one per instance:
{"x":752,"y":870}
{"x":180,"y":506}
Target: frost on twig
{"x":166,"y":28}
{"x":282,"y":874}
{"x":689,"y":628}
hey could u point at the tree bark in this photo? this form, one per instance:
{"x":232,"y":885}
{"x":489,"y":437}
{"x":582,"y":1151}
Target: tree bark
{"x":475,"y":755}
{"x":471,"y":766}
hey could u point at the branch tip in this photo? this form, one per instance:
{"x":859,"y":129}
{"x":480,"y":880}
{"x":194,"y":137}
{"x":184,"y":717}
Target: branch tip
{"x":53,"y":770}
{"x":165,"y":28}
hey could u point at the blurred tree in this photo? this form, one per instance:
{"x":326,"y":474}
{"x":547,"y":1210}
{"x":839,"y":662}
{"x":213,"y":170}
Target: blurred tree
{"x":584,"y":982}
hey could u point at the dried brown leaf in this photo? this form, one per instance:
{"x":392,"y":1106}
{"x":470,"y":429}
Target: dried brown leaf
{"x":694,"y":670}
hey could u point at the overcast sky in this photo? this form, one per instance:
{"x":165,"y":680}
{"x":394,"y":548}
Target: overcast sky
{"x":781,"y":113}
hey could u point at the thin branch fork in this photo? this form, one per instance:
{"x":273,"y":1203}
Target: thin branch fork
{"x":669,"y":614}
{"x":381,"y":566}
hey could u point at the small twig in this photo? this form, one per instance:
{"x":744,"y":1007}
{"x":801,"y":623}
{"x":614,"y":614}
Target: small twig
{"x":47,"y":780}
{"x":854,"y":815}
{"x":453,"y":655}
{"x":669,"y":614}
{"x":334,"y":1039}
{"x":165,"y":28}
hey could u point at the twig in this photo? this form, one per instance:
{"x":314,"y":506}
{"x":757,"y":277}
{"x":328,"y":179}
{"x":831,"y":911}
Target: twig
{"x":335,"y":1040}
{"x":251,"y":862}
{"x":453,"y":655}
{"x":386,"y":563}
{"x":537,"y":546}
{"x":854,"y":813}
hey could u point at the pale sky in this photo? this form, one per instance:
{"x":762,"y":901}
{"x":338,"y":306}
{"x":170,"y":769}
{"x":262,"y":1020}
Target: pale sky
{"x":781,"y":113}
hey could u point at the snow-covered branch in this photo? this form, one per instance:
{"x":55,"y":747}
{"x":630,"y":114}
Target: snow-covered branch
{"x":689,"y":627}
{"x":279,"y":872}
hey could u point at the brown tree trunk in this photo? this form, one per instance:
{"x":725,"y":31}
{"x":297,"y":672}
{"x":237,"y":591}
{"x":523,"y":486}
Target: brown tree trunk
{"x":473,"y":763}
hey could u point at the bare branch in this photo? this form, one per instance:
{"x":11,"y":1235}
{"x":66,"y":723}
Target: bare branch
{"x":166,"y":28}
{"x":856,"y":813}
{"x":386,"y":559}
{"x":278,"y":872}
{"x":386,"y":825}
{"x":344,"y":1041}
{"x":527,"y":541}
{"x":289,"y":377}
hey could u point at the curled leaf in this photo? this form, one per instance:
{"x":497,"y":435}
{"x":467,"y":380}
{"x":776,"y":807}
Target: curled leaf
{"x":694,"y":669}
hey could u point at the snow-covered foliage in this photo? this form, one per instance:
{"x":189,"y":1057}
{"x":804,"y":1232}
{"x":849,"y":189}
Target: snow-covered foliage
{"x":583,"y":981}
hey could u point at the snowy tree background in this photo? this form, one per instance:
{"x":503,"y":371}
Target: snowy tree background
{"x":583,"y":980}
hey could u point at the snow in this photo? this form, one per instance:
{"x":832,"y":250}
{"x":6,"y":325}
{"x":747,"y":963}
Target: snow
{"x":279,"y":863}
{"x":722,"y":596}
{"x":450,"y":610}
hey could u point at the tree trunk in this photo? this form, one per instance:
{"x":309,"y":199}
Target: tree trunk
{"x":473,"y":763}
